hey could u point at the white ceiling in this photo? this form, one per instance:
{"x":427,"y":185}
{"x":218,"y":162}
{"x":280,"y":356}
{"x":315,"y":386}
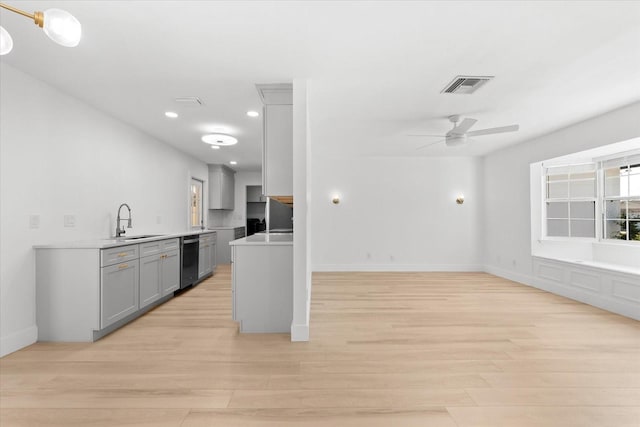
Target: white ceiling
{"x":376,"y":69}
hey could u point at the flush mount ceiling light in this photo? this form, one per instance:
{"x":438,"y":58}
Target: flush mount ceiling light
{"x":171,"y":114}
{"x":219,"y":139}
{"x":253,"y":113}
{"x":215,"y":147}
{"x":233,"y":162}
{"x":59,"y":25}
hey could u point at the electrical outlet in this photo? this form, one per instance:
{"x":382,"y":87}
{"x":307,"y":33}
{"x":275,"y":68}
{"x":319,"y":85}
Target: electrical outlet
{"x":159,"y":219}
{"x":368,"y":255}
{"x":69,"y":221}
{"x":34,"y":221}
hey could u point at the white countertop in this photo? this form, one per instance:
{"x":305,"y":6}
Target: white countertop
{"x":264,"y":240}
{"x":225,"y":227}
{"x":113,"y":242}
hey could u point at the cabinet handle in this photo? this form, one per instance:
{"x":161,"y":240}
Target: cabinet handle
{"x":121,"y":266}
{"x":122,"y":254}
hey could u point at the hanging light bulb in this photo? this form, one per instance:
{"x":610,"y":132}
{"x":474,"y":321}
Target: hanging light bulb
{"x":59,"y":25}
{"x":62,"y":27}
{"x":6,"y":42}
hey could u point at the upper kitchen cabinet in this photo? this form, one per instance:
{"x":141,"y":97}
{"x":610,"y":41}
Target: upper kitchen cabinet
{"x":277,"y":145}
{"x":221,"y":187}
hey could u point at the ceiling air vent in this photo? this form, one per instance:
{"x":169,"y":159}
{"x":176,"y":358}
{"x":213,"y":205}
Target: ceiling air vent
{"x":190,"y":101}
{"x":466,"y":84}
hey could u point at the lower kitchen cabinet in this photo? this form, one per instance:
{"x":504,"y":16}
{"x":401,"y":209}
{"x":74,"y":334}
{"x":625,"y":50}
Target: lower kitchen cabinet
{"x":83,"y":294}
{"x":262,"y":287}
{"x":224,"y":236}
{"x":118,"y":292}
{"x":159,"y":271}
{"x":207,"y":254}
{"x":170,"y":272}
{"x":150,"y":279}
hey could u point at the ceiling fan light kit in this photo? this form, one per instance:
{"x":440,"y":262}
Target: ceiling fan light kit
{"x":59,"y":25}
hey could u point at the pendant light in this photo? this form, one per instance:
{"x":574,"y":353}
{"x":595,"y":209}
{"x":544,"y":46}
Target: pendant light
{"x":6,"y":42}
{"x":59,"y":25}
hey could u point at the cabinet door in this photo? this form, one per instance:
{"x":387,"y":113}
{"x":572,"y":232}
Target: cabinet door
{"x":277,"y":159}
{"x":170,"y":272}
{"x":150,"y":275}
{"x":118,"y":292}
{"x":233,"y":283}
{"x":213,"y":257}
{"x":223,"y":250}
{"x":201,"y":260}
{"x":228,"y":190}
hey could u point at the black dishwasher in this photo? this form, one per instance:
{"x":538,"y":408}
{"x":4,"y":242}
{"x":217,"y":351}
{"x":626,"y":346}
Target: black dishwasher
{"x":189,"y":257}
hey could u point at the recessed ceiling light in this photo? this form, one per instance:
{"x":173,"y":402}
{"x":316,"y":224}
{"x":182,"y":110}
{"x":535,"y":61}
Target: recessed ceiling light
{"x":219,"y":139}
{"x":253,"y":113}
{"x":233,"y":162}
{"x":171,"y":114}
{"x":215,"y":147}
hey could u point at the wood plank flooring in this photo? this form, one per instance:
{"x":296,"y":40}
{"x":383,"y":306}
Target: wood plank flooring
{"x":386,"y":349}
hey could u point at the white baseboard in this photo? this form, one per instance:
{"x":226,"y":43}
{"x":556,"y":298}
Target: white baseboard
{"x":398,"y":267}
{"x":525,"y":279}
{"x":18,"y":340}
{"x":299,"y":332}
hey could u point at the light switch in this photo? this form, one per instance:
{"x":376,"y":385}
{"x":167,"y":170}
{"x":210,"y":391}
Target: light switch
{"x":69,"y":221}
{"x":34,"y":221}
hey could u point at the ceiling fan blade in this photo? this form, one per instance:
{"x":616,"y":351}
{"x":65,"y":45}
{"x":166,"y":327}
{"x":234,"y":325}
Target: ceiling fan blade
{"x":463,"y":127}
{"x":490,"y":131}
{"x":425,"y":134}
{"x":429,"y":145}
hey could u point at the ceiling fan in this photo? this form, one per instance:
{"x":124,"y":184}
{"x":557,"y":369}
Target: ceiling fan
{"x":460,"y":132}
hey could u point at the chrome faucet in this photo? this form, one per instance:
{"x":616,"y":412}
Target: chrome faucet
{"x":121,"y":231}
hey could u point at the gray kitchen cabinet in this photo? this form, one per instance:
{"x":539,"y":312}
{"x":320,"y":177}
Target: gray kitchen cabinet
{"x":207,"y":255}
{"x":254,"y":194}
{"x":84,"y":293}
{"x":150,"y":279}
{"x":221,"y":187}
{"x":262,"y":287}
{"x":222,"y":248}
{"x":119,"y":285}
{"x":159,"y":270}
{"x":170,"y":272}
{"x":277,"y":143}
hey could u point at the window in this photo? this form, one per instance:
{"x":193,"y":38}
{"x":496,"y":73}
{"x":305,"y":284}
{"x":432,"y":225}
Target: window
{"x":621,"y":199}
{"x":195,"y":204}
{"x":570,"y":201}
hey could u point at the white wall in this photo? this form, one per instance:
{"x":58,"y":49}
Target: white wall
{"x":507,"y":190}
{"x":301,"y":215}
{"x":61,"y":157}
{"x":396,"y":213}
{"x":238,"y":216}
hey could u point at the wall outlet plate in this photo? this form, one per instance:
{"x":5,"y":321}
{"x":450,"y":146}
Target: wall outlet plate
{"x":34,"y":221}
{"x":69,"y":221}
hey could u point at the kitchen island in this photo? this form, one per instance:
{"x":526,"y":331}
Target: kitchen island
{"x":262,"y":282}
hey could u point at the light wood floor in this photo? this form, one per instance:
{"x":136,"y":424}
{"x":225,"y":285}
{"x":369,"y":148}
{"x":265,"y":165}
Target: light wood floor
{"x":392,"y":349}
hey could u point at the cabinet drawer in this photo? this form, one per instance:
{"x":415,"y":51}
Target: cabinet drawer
{"x":151,"y":248}
{"x":117,"y":255}
{"x":158,"y":246}
{"x":170,"y":244}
